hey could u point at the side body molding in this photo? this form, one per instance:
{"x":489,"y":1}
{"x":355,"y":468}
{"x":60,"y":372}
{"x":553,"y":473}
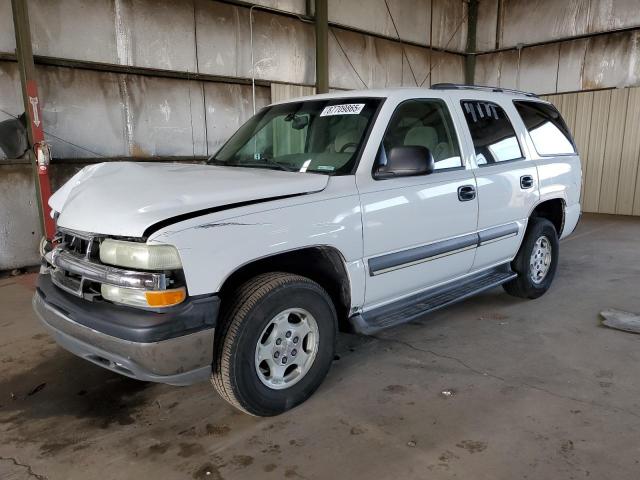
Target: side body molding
{"x":405,"y":258}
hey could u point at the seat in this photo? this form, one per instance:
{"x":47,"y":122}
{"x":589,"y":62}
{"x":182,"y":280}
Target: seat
{"x":348,"y":139}
{"x":423,"y":137}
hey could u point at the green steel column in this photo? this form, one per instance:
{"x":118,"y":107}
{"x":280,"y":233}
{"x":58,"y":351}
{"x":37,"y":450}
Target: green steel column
{"x":322,"y":46}
{"x":470,"y":60}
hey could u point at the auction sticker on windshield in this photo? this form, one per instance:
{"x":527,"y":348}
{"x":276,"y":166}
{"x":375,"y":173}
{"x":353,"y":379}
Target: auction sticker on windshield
{"x":344,"y":109}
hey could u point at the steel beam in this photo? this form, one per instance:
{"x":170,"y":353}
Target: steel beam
{"x":32,"y":102}
{"x":470,"y":59}
{"x":322,"y":46}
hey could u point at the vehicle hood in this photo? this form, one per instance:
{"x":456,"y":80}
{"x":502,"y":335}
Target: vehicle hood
{"x":125,"y":198}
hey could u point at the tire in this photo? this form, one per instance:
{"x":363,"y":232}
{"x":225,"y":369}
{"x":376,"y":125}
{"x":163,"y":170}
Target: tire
{"x":524,"y":286}
{"x":250,"y":320}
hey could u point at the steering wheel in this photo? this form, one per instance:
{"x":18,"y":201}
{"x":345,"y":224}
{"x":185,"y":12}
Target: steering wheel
{"x":348,"y":145}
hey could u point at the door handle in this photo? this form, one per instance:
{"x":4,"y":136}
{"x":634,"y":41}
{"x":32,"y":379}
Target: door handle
{"x":466,"y":193}
{"x":526,"y":181}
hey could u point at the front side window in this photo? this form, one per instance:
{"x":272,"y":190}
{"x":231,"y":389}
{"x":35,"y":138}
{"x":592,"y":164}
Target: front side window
{"x":321,"y":136}
{"x":494,"y":138}
{"x":424,"y":123}
{"x":546,"y":127}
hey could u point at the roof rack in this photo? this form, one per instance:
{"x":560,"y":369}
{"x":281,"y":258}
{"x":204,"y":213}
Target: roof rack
{"x":460,"y":86}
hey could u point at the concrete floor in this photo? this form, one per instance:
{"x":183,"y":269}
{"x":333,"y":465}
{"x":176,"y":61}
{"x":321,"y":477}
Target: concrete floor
{"x":539,"y":390}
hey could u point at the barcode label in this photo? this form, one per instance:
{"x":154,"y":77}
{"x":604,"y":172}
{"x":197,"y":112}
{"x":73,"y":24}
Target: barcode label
{"x":345,"y":109}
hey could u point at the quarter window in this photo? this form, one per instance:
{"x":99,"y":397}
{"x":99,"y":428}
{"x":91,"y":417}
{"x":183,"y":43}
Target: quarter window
{"x":546,"y":127}
{"x":494,"y":138}
{"x":424,"y":123}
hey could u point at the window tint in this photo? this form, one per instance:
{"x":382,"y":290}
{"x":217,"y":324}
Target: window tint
{"x":494,"y":138}
{"x":548,"y":131}
{"x":424,"y":123}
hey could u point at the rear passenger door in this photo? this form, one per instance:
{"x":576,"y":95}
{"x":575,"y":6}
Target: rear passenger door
{"x":507,"y":180}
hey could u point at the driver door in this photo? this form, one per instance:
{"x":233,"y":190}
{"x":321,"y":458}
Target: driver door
{"x":419,"y":231}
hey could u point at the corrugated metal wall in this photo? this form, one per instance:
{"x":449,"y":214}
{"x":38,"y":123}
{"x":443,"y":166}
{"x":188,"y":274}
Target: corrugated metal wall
{"x":550,"y":46}
{"x":606,"y":129}
{"x":117,"y":77}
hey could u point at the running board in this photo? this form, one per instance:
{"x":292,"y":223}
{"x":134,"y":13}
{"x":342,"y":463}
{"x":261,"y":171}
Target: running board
{"x":410,"y":308}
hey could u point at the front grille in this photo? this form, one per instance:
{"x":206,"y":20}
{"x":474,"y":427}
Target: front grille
{"x":82,"y":244}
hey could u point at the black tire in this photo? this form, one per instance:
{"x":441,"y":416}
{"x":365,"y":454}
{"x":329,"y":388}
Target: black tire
{"x":251,"y":309}
{"x":523,"y":286}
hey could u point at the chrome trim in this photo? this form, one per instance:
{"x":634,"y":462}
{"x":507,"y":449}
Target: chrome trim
{"x":95,"y":272}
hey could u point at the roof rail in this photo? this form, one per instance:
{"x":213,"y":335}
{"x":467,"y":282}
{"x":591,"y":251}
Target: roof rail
{"x":460,"y":86}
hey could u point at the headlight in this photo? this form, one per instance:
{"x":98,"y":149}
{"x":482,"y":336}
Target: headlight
{"x":139,"y":255}
{"x":143,"y":298}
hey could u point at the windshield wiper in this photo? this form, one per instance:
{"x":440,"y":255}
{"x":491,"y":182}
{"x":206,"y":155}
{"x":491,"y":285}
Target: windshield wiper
{"x":280,"y":166}
{"x":264,"y":161}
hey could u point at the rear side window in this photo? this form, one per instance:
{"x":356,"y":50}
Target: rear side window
{"x":546,"y":127}
{"x":494,"y":138}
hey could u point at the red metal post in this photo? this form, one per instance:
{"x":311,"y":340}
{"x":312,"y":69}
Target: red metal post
{"x":39,"y":151}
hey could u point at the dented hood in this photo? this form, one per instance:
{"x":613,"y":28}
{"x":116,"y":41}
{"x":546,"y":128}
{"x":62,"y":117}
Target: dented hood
{"x":125,"y":198}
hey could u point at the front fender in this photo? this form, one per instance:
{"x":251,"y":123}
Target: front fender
{"x":213,"y":246}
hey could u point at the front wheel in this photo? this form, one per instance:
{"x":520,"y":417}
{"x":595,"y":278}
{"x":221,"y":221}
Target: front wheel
{"x":536,"y":262}
{"x":275,"y":344}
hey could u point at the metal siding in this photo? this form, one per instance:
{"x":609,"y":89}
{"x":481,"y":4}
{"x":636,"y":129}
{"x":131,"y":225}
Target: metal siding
{"x":227,"y":108}
{"x":570,"y":65}
{"x":605,"y":128}
{"x":284,"y":49}
{"x":597,"y":142}
{"x":86,"y":108}
{"x":569,"y":110}
{"x":508,"y":69}
{"x":295,"y":6}
{"x":7,"y":34}
{"x":420,"y":61}
{"x":586,"y":64}
{"x":10,"y":95}
{"x":613,"y":149}
{"x":162,"y":34}
{"x":532,"y":21}
{"x":447,"y":68}
{"x":449,"y":24}
{"x":78,"y":29}
{"x":487,"y":25}
{"x":221,"y":27}
{"x":627,"y":188}
{"x":487,"y":69}
{"x":412,"y":17}
{"x":612,"y":61}
{"x":539,"y":69}
{"x":582,"y":130}
{"x":19,"y":221}
{"x":613,"y":14}
{"x":343,"y":65}
{"x":380,"y":63}
{"x":167,"y":117}
{"x":281,"y":92}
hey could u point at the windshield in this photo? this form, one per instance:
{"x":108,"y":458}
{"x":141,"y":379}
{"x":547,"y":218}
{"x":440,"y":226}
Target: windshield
{"x":322,"y":136}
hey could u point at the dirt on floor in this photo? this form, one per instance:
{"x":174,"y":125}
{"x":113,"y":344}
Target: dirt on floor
{"x":492,"y":388}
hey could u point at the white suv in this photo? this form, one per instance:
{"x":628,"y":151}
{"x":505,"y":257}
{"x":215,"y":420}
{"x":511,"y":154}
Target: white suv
{"x":357,"y":211}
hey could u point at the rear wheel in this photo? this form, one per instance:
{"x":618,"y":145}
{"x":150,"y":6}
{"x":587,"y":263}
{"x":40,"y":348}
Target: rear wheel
{"x":536,"y":262}
{"x":275,"y":343}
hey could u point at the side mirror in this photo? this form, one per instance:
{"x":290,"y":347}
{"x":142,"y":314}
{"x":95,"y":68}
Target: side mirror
{"x":406,"y":161}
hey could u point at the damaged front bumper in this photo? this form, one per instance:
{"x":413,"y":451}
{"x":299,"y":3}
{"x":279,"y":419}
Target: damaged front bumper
{"x":174,"y":347}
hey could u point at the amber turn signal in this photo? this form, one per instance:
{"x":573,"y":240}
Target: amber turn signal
{"x":166,"y":298}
